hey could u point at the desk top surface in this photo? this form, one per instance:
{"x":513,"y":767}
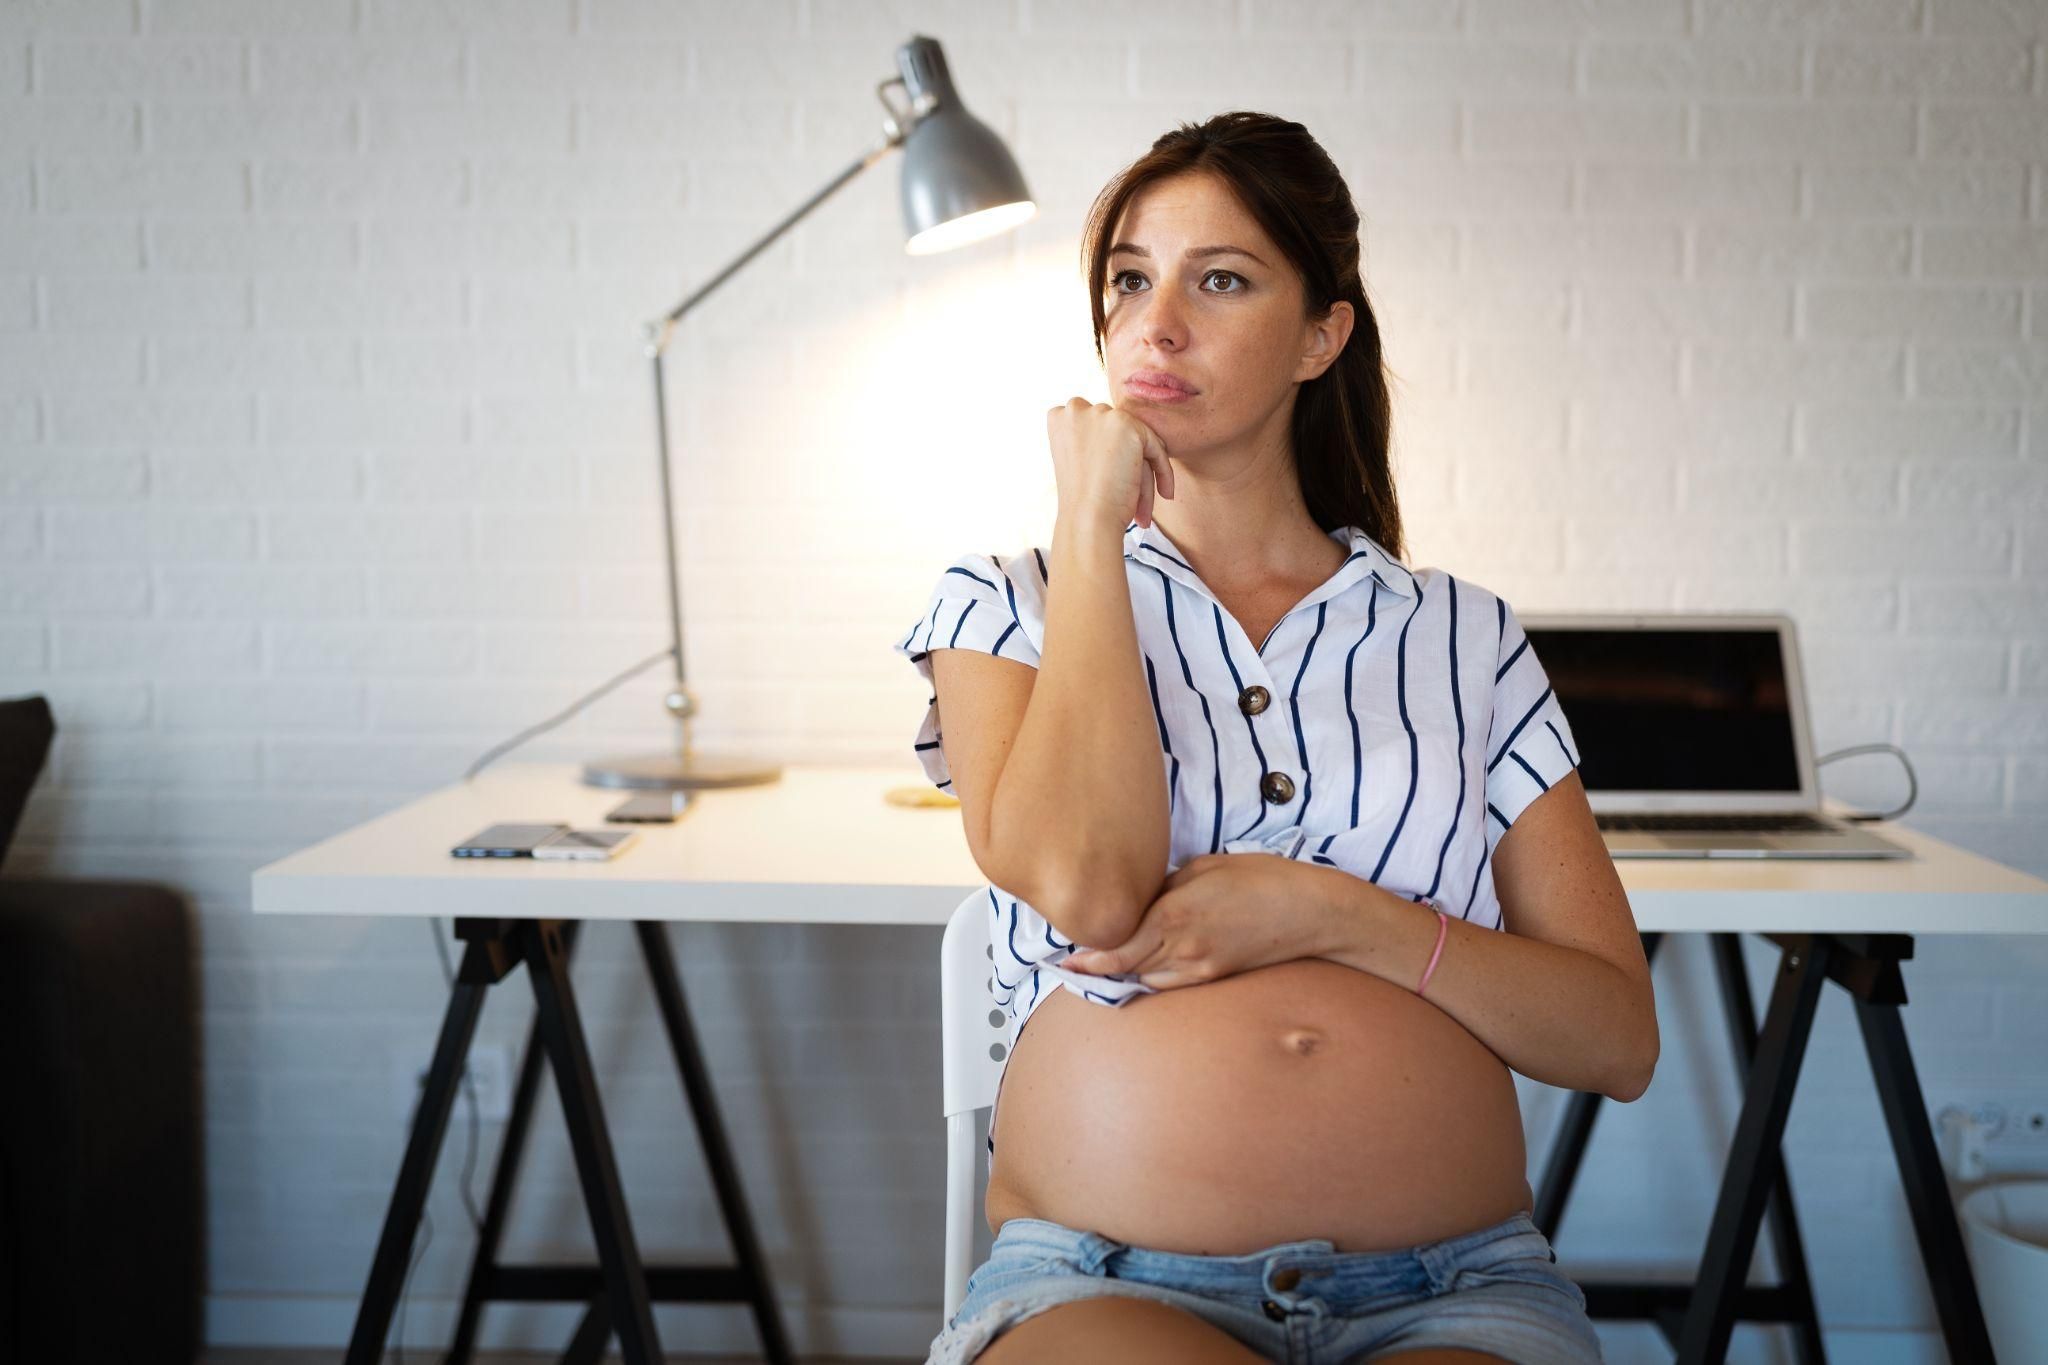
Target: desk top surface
{"x":821,"y":845}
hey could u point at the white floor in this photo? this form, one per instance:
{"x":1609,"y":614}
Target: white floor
{"x":226,"y":1355}
{"x":1621,"y":1344}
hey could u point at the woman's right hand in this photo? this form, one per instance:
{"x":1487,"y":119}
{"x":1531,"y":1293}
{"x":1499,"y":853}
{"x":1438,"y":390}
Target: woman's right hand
{"x":1106,"y":462}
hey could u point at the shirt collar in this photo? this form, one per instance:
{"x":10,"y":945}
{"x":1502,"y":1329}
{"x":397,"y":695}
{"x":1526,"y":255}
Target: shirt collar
{"x":1149,"y":545}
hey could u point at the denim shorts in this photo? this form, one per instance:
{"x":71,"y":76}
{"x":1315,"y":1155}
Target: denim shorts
{"x":1495,"y":1290}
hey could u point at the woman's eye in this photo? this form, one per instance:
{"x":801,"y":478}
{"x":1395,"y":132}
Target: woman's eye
{"x":1117,"y":279}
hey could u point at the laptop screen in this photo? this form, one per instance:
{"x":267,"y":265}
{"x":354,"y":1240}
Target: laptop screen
{"x":1673,"y":710}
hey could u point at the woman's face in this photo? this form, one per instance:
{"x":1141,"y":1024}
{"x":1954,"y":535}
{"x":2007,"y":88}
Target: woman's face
{"x":1229,"y":324}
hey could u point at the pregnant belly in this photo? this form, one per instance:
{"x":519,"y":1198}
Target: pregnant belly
{"x":1302,"y":1099}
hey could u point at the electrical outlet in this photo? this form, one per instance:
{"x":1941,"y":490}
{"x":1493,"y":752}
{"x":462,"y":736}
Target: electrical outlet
{"x":2002,"y":1115}
{"x":488,"y":1072}
{"x":1984,"y":1132}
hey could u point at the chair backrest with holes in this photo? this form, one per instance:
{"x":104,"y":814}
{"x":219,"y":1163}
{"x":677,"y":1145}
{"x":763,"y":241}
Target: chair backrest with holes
{"x":975,"y":1028}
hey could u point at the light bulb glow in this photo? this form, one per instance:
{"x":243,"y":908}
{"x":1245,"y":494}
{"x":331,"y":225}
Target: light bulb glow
{"x":970,"y":227}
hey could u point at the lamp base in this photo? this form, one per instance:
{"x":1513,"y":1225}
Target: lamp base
{"x":675,"y":770}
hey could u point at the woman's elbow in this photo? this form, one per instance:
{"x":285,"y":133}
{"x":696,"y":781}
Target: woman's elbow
{"x":1635,"y":1080}
{"x":1098,"y":912}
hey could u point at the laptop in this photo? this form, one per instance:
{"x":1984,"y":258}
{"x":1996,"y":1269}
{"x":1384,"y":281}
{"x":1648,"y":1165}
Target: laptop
{"x":1692,"y":735}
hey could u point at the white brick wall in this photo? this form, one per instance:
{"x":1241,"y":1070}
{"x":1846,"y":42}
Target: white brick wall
{"x":324,"y":465}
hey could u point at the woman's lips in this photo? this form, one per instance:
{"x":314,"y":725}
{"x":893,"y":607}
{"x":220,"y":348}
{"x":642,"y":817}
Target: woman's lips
{"x":1158,"y":393}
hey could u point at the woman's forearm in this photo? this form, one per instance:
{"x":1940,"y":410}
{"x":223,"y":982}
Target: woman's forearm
{"x":1554,"y":1014}
{"x":1081,"y":803}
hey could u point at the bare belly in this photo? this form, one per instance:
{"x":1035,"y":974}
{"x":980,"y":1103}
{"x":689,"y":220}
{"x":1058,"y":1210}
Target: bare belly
{"x":1304,"y":1099}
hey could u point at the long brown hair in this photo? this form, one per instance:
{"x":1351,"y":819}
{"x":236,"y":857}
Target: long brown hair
{"x":1342,"y":418}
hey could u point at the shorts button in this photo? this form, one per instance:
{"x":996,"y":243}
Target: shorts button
{"x":1284,"y":1280}
{"x":1274,"y":1310}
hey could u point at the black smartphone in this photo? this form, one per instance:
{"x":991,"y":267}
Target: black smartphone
{"x":506,"y":841}
{"x":650,"y":808}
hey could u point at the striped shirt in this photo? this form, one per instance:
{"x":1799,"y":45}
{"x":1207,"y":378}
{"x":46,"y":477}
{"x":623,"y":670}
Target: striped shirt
{"x":1393,"y":724}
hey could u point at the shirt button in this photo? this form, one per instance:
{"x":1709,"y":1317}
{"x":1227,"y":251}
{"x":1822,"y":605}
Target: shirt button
{"x":1284,"y":1280}
{"x":1253,"y":700}
{"x":1278,"y":788}
{"x":1274,"y":1310}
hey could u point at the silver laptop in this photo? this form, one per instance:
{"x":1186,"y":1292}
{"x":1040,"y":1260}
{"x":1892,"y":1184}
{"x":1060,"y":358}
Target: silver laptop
{"x":1692,"y":735}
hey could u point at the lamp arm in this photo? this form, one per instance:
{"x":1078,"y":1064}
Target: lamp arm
{"x":659,"y":331}
{"x":896,"y":128}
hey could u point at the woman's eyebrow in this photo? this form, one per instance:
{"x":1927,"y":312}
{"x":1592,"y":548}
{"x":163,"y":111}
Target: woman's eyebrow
{"x":1193,"y":253}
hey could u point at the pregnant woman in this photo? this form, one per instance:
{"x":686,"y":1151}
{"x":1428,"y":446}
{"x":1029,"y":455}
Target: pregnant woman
{"x":1289,"y":860}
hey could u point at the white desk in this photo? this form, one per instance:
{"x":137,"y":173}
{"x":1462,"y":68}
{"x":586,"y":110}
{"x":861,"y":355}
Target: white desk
{"x":767,"y":853}
{"x":764,"y":854}
{"x":822,"y":846}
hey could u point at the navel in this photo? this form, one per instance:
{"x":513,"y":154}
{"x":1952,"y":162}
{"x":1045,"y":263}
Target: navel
{"x":1301,"y":1041}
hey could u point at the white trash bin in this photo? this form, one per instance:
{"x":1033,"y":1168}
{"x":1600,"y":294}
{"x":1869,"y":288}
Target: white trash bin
{"x":2005,"y":1229}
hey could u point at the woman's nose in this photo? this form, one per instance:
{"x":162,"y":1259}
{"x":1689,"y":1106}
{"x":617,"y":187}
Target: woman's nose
{"x":1165,"y":327}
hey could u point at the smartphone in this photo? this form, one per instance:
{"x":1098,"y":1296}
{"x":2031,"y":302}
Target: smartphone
{"x":650,"y":808}
{"x":507,"y":841}
{"x":586,"y":845}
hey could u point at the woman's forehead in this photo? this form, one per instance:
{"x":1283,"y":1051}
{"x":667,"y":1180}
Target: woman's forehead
{"x":1196,"y":205}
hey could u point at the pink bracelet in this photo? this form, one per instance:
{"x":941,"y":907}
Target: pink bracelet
{"x":1443,"y":927}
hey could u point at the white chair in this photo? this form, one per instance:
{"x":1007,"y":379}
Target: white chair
{"x":971,"y":1038}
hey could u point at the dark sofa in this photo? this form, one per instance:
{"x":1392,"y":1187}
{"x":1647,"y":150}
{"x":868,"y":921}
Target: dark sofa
{"x":101,"y":1219}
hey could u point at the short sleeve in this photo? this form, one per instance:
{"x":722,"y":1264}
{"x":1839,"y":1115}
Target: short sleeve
{"x":981,"y":602}
{"x":1529,"y":744}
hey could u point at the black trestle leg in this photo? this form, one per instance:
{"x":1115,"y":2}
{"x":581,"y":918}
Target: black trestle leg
{"x":1753,"y":1159}
{"x":1786,"y":1243}
{"x":422,"y":1149}
{"x":561,"y":1031}
{"x":1700,"y":1320}
{"x":518,"y":1123}
{"x":1568,"y":1148}
{"x":587,"y":1346}
{"x":675,"y":1014}
{"x":1561,"y":1168}
{"x":1934,"y":1216}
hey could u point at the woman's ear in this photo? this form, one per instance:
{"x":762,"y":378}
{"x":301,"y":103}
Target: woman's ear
{"x":1327,"y":336}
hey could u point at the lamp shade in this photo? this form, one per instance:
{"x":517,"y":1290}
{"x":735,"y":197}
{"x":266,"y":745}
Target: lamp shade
{"x":960,"y":183}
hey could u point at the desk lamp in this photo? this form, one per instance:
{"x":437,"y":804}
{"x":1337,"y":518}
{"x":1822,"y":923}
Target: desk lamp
{"x":960,"y":185}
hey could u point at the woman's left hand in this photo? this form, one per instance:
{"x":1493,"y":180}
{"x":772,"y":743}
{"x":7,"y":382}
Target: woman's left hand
{"x":1217,"y":915}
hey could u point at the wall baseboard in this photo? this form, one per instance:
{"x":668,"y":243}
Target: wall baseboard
{"x":885,"y":1333}
{"x":1633,"y":1343}
{"x":710,"y":1329}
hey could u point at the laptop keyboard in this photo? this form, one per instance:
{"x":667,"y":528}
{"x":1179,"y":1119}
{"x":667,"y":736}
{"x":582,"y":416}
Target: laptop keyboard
{"x":1793,"y":822}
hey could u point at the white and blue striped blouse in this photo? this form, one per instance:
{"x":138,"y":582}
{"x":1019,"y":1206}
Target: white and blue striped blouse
{"x":1392,"y":724}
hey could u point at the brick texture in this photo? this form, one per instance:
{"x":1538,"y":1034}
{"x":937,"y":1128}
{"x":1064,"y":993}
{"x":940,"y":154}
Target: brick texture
{"x":325,"y":446}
